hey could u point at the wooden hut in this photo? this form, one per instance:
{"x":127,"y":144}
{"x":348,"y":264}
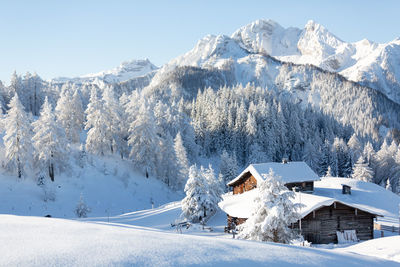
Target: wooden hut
{"x":324,"y":217}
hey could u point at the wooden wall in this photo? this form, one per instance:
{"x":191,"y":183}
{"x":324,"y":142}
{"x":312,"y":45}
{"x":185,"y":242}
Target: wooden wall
{"x":235,"y":220}
{"x":246,"y":183}
{"x":321,"y":225}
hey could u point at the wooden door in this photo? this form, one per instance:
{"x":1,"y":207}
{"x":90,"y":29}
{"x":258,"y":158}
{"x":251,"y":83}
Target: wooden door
{"x":314,"y":233}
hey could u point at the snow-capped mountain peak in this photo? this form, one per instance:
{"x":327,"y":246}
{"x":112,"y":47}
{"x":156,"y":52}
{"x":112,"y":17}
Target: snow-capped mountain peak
{"x":125,"y":71}
{"x":267,"y":36}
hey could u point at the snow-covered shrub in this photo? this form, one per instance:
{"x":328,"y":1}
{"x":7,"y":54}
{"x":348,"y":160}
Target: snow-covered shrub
{"x":272,"y":214}
{"x":82,"y":209}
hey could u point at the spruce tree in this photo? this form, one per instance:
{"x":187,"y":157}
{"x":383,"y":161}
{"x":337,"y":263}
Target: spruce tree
{"x":50,"y":142}
{"x":144,"y":141}
{"x":272,"y":214}
{"x":181,"y":160}
{"x":194,"y":205}
{"x":362,"y":171}
{"x":98,"y":137}
{"x":17,"y":138}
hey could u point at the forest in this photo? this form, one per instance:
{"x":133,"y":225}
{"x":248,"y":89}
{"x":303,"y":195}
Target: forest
{"x":47,"y":127}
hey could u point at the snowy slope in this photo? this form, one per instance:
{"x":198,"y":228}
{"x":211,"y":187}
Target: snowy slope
{"x":124,"y":72}
{"x":109,"y":187}
{"x":386,"y":248}
{"x":34,"y":241}
{"x":369,"y":63}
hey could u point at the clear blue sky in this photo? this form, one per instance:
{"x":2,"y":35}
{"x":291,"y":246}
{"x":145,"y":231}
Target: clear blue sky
{"x":71,"y":38}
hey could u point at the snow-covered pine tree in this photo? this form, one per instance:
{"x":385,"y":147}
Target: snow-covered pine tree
{"x":50,"y":142}
{"x":194,"y":205}
{"x":81,"y":209}
{"x":115,"y":115}
{"x":214,"y":189}
{"x":272,"y":213}
{"x":70,"y":113}
{"x":362,"y":172}
{"x":228,"y":167}
{"x":166,"y":166}
{"x":182,"y":160}
{"x":328,"y":172}
{"x":98,"y":137}
{"x":388,"y":185}
{"x":144,"y":141}
{"x":310,"y":155}
{"x":17,"y":138}
{"x":384,"y":163}
{"x":395,"y":173}
{"x":355,"y":148}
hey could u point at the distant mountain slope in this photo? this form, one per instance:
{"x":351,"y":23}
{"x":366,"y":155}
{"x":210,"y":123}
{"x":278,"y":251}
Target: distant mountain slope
{"x":128,"y":70}
{"x":372,"y":64}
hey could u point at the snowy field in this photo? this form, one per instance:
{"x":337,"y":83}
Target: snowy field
{"x":38,"y":241}
{"x":130,"y":224}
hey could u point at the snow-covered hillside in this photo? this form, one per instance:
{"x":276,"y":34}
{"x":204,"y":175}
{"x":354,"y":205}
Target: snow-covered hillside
{"x":109,"y":187}
{"x":124,"y":72}
{"x":34,"y":241}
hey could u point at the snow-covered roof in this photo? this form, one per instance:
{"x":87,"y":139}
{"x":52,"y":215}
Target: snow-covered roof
{"x":290,"y":172}
{"x":327,"y":191}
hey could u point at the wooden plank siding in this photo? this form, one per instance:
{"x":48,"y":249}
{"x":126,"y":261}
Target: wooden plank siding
{"x":320,"y":226}
{"x":246,"y":183}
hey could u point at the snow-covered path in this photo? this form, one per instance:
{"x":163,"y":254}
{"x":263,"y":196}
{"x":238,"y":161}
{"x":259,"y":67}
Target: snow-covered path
{"x":37,"y":241}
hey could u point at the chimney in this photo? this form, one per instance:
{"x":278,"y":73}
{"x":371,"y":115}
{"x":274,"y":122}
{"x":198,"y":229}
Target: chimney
{"x":346,"y":189}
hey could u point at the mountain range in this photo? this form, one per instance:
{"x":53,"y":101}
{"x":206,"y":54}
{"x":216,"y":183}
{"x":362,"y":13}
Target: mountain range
{"x":365,"y":62}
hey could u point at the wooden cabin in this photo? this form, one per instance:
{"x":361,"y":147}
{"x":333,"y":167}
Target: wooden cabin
{"x":323,"y":217}
{"x":296,"y":175}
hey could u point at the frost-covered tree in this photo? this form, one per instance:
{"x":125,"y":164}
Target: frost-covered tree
{"x":328,"y":172}
{"x":70,"y":113}
{"x":214,"y":189}
{"x":228,"y":167}
{"x":181,"y":160}
{"x":115,"y":114}
{"x":362,"y":172}
{"x":81,"y":209}
{"x":50,"y":142}
{"x":144,"y":141}
{"x":17,"y":138}
{"x":98,"y":137}
{"x":384,"y":163}
{"x":194,"y":205}
{"x":355,"y":148}
{"x":388,"y":185}
{"x":272,"y":214}
{"x":166,"y":166}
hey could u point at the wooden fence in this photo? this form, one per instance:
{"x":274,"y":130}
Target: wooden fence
{"x":381,"y":227}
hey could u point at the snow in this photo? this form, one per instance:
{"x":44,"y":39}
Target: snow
{"x":289,"y":172}
{"x":126,"y":71}
{"x":367,"y":62}
{"x":386,"y":248}
{"x":34,"y":241}
{"x":364,"y":196}
{"x":108,"y":184}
